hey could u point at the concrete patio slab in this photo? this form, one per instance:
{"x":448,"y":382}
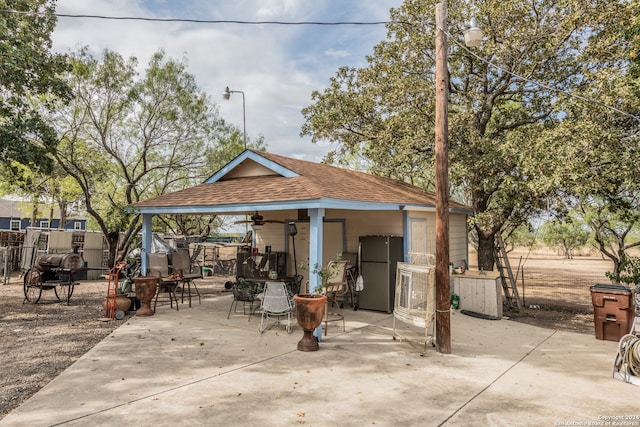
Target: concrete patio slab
{"x":194,"y":367}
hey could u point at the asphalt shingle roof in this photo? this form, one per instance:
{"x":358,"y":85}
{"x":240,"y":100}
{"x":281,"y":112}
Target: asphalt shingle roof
{"x":314,"y":181}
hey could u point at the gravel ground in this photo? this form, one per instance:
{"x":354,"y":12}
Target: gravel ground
{"x":39,"y":341}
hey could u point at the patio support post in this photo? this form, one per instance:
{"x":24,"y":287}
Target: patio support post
{"x":146,"y":241}
{"x":316,"y":218}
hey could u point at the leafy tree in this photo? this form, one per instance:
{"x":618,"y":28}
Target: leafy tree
{"x":29,"y":75}
{"x":522,"y":236}
{"x":601,"y":174}
{"x":628,"y":271}
{"x":611,"y":230}
{"x":502,"y":148}
{"x":604,"y":182}
{"x":631,"y":34}
{"x":567,"y":234}
{"x":124,"y":138}
{"x":54,"y":187}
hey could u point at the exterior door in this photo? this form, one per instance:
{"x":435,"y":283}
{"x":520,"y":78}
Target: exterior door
{"x":418,"y":241}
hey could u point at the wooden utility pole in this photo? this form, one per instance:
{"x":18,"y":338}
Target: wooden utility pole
{"x":443,"y":305}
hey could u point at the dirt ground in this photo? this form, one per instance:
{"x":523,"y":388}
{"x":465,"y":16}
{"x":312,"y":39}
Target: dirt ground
{"x":556,"y":293}
{"x":39,"y":341}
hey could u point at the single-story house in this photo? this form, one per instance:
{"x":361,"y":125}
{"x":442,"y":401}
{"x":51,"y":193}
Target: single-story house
{"x":16,"y":216}
{"x":330,"y":207}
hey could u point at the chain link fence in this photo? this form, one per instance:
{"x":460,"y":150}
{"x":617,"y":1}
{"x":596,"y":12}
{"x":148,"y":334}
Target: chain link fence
{"x":554,"y":283}
{"x":9,"y":262}
{"x":555,"y":288}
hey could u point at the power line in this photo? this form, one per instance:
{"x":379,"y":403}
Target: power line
{"x":201,"y":21}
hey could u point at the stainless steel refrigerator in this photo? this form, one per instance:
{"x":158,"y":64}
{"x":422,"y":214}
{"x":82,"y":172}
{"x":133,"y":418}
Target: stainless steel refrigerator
{"x":379,"y":256}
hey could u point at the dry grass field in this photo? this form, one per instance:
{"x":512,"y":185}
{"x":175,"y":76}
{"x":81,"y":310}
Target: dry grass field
{"x":556,"y":291}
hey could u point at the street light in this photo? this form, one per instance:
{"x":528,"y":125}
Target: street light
{"x":473,"y":36}
{"x":226,"y":95}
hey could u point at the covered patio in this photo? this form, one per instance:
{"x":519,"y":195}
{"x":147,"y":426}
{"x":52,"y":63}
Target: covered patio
{"x":330,"y":208}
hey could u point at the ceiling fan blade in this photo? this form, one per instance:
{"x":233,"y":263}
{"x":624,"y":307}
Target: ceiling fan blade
{"x":257,"y":219}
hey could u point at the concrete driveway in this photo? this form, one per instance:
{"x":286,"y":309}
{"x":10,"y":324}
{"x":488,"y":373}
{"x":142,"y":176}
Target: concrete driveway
{"x":194,"y":367}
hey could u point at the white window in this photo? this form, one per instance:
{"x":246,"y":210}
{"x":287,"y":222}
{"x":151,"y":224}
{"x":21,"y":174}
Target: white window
{"x":15,"y":225}
{"x":44,"y":224}
{"x":77,"y":225}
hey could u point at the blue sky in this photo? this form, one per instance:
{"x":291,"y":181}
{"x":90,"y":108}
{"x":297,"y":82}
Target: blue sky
{"x":277,"y":67}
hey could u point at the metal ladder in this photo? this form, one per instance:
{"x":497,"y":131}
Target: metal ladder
{"x":506,"y":274}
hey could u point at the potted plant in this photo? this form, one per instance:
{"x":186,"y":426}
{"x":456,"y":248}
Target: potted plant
{"x":310,"y":308}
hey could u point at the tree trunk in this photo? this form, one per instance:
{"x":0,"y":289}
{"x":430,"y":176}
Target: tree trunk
{"x":51,"y":214}
{"x":34,"y":211}
{"x":112,"y":239}
{"x":616,"y":267}
{"x":63,"y":214}
{"x":486,"y":246}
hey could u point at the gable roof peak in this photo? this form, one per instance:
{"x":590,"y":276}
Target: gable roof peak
{"x":250,"y":163}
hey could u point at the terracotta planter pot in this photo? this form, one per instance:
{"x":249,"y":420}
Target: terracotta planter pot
{"x":145,"y":291}
{"x":122,"y":303}
{"x":309,"y":313}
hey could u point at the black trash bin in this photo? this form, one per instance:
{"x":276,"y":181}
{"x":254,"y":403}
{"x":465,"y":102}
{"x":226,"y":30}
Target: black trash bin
{"x":613,"y":311}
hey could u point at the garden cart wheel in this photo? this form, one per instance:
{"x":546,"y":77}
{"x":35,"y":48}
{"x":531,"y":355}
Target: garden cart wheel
{"x":32,"y":285}
{"x":64,"y":291}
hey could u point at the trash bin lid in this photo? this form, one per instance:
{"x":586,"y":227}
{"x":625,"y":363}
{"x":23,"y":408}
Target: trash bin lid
{"x":610,"y":287}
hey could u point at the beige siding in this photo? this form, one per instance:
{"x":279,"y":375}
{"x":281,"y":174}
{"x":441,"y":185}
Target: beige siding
{"x":93,"y":253}
{"x":363,"y":223}
{"x":59,"y":242}
{"x":458,"y":243}
{"x":271,"y":234}
{"x":248,"y":168}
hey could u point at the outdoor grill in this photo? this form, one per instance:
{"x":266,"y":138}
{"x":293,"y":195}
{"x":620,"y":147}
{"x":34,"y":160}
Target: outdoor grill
{"x":51,"y":265}
{"x":53,"y":271}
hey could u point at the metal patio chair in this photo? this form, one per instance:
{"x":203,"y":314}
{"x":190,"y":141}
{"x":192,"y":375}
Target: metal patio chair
{"x":159,"y":266}
{"x":276,"y":303}
{"x":182,"y":267}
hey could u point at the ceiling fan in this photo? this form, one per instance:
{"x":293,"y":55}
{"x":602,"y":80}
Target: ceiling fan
{"x":257,"y":219}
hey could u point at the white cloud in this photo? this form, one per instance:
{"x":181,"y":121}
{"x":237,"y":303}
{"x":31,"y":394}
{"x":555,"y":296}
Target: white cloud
{"x":276,"y":66}
{"x":338,"y":53}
